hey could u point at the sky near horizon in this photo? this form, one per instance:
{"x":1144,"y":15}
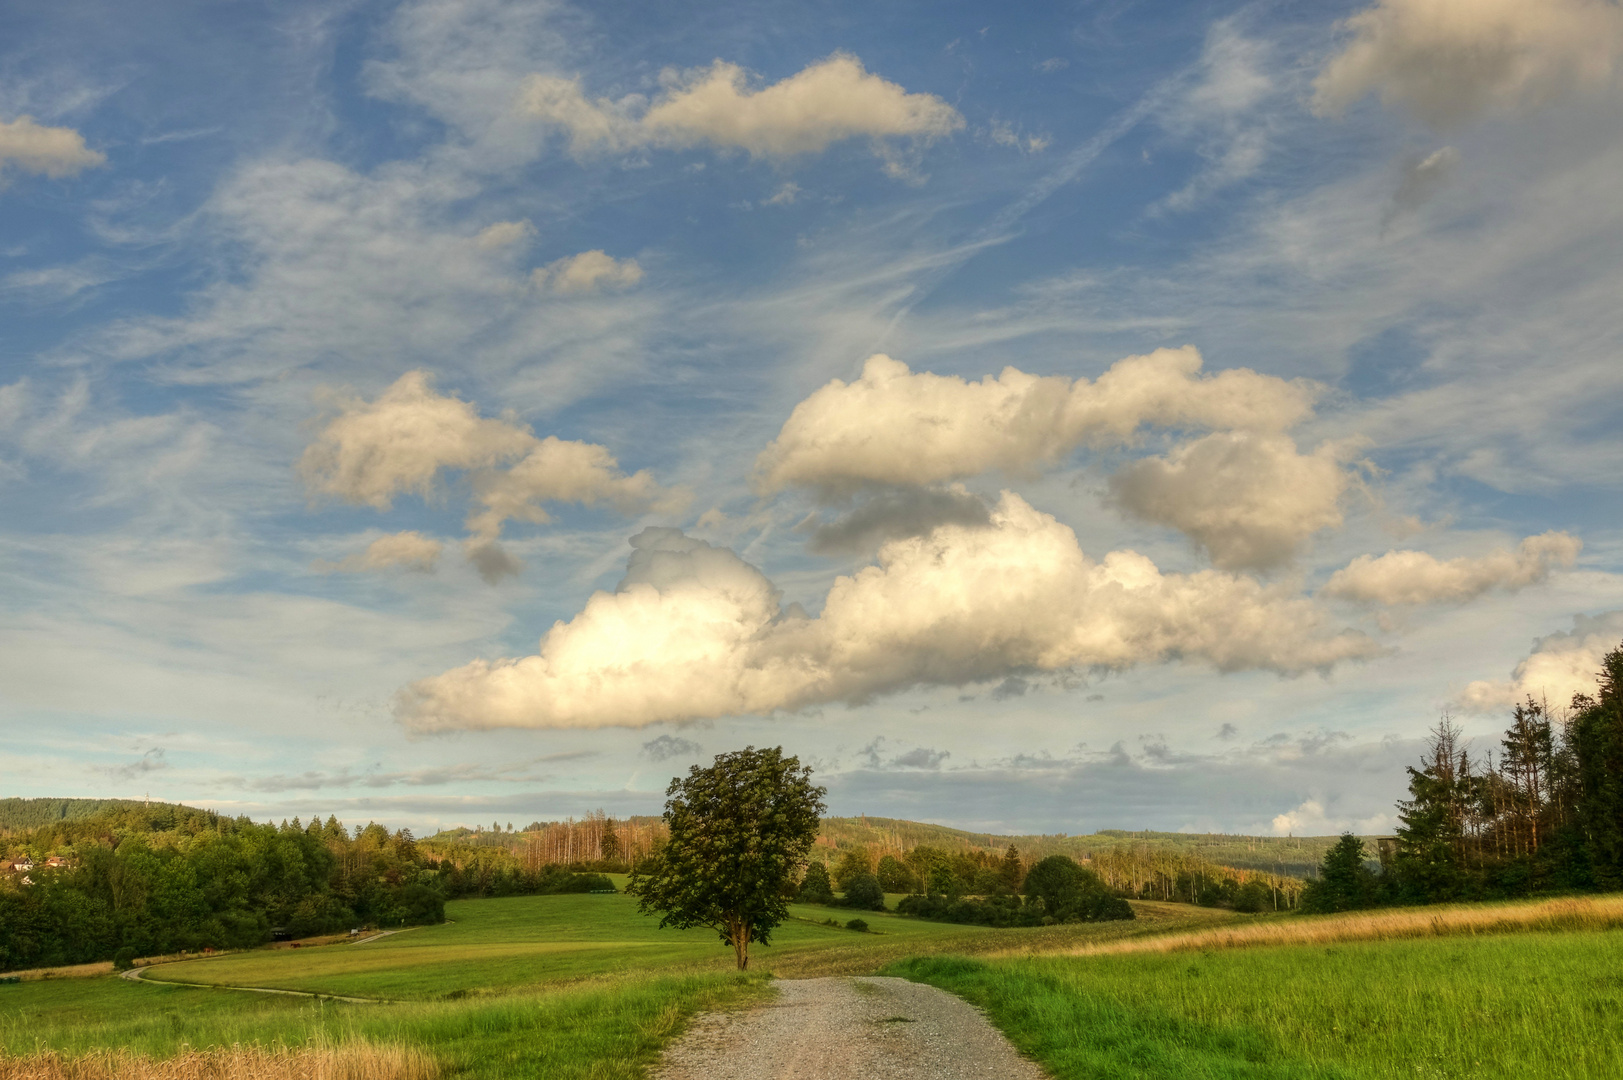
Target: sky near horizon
{"x":1038,"y":419}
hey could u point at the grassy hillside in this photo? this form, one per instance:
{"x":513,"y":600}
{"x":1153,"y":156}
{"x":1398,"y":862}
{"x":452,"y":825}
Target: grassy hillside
{"x":549,"y":986}
{"x":1297,"y":856}
{"x":583,"y":986}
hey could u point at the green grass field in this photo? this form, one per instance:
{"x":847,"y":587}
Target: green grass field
{"x":583,"y":986}
{"x":552,"y":986}
{"x":1547,"y":1005}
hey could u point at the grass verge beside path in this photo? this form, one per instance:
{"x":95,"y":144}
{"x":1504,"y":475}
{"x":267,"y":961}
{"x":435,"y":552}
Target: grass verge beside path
{"x":1546,"y":1005}
{"x":614,"y":1029}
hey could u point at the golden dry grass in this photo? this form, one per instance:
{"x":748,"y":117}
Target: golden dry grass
{"x":1574,"y":913}
{"x":75,"y":971}
{"x":360,"y":1061}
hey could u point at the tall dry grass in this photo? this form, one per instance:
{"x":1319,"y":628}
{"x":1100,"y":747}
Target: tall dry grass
{"x":355,"y":1061}
{"x":1576,"y":913}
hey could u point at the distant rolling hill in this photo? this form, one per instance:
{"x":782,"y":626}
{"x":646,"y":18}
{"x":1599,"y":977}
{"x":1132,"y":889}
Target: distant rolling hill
{"x":1296,"y":856}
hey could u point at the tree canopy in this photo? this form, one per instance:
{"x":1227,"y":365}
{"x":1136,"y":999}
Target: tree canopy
{"x":739,"y":830}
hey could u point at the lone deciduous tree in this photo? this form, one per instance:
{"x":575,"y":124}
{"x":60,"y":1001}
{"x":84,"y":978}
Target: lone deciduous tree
{"x":738,"y":831}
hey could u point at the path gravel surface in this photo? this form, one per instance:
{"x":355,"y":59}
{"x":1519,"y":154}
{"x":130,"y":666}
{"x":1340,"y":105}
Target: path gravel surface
{"x":867,"y":1028}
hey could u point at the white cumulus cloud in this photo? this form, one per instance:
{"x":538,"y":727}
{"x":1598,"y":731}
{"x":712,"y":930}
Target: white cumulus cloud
{"x":49,"y":151}
{"x":1415,"y":577}
{"x":372,"y":451}
{"x":825,"y":103}
{"x":1448,"y":61}
{"x":504,"y":234}
{"x":895,"y":426}
{"x":1561,"y":665}
{"x":405,"y":550}
{"x":588,"y":271}
{"x":693,"y":631}
{"x":559,"y":470}
{"x":1250,"y":499}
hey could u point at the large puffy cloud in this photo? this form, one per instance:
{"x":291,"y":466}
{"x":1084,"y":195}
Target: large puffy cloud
{"x":897,"y":512}
{"x":693,"y":631}
{"x":827,"y":102}
{"x":1561,"y":665}
{"x":1415,"y":577}
{"x":895,"y":426}
{"x":49,"y":151}
{"x":372,"y":451}
{"x":1450,"y":60}
{"x":1250,"y":499}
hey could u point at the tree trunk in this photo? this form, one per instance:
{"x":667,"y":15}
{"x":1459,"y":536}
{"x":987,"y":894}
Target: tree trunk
{"x":741,"y":944}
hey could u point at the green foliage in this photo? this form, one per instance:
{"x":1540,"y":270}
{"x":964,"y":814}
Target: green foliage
{"x":1597,"y":745}
{"x":1252,"y":897}
{"x":864,"y":891}
{"x":854,"y":863}
{"x":815,"y":888}
{"x":1286,"y":856}
{"x":894,"y":876}
{"x":1011,"y":871}
{"x":31,"y":814}
{"x":1309,"y":1013}
{"x":1069,"y":892}
{"x":738,"y":830}
{"x":1547,"y":818}
{"x":859,"y":925}
{"x":1344,"y":882}
{"x":202,"y":881}
{"x":124,"y":959}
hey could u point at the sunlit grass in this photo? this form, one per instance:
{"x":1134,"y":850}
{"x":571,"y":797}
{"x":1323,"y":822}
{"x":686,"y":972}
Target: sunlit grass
{"x":1568,"y":913}
{"x":1547,"y":1005}
{"x":355,"y":1061}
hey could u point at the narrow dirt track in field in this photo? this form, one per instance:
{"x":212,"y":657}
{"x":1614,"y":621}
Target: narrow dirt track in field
{"x":136,"y":975}
{"x":847,"y":1029}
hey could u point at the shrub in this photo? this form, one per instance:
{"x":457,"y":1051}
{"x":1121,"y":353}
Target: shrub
{"x":863,"y":891}
{"x":124,"y":959}
{"x":859,"y":925}
{"x":1251,"y":897}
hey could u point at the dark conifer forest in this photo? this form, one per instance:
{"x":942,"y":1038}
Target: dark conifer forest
{"x":1540,"y":813}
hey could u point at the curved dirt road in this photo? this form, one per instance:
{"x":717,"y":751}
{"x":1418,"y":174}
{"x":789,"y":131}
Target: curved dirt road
{"x":839,"y":1028}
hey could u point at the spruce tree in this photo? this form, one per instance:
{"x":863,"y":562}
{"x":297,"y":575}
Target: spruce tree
{"x":1596,"y":736}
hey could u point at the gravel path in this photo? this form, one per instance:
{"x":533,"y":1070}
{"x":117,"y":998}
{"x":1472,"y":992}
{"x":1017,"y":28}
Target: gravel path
{"x":847,"y":1029}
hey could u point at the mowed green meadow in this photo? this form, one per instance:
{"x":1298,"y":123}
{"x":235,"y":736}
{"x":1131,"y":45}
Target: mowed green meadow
{"x":584,"y":986}
{"x":547,"y":986}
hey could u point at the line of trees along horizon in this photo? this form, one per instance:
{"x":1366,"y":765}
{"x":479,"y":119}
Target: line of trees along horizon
{"x":152,"y":879}
{"x":1543,"y":814}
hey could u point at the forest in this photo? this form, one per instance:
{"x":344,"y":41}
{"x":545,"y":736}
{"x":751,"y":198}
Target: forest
{"x":1542,"y":814}
{"x":149,"y":879}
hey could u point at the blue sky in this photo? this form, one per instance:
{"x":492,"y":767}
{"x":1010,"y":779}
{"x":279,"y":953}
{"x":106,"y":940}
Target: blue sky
{"x":1253,"y":396}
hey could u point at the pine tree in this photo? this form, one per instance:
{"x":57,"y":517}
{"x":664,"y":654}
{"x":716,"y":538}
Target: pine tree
{"x":1010,"y":869}
{"x":1344,"y":882}
{"x":1596,"y":736}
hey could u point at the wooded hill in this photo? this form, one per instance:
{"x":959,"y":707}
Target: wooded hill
{"x":1293,"y":856}
{"x":28,"y":814}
